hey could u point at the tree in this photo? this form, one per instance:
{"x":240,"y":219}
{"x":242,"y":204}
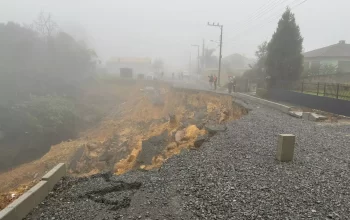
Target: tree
{"x":45,"y":25}
{"x":209,"y":60}
{"x":257,"y":70}
{"x":261,"y":54}
{"x":284,"y":59}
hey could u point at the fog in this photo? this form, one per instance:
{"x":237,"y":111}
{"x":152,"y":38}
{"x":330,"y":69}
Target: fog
{"x":166,"y":29}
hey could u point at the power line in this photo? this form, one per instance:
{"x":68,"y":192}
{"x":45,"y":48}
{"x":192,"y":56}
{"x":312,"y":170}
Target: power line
{"x":270,"y":7}
{"x":259,"y":25}
{"x":268,"y":13}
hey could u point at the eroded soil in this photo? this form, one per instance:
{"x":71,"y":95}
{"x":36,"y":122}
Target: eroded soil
{"x":153,"y":124}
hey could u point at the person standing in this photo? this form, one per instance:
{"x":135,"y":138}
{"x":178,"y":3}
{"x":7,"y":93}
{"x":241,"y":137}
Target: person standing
{"x":173,"y":75}
{"x":230,"y":84}
{"x":215,"y":79}
{"x":234,"y":84}
{"x":211,"y":79}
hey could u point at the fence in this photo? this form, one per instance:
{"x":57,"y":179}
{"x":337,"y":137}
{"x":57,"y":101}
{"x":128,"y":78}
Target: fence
{"x":332,"y":90}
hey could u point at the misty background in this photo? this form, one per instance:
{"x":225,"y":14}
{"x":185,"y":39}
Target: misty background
{"x":166,"y":29}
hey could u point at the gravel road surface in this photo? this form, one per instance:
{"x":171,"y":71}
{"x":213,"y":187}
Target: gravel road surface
{"x":232,"y":176}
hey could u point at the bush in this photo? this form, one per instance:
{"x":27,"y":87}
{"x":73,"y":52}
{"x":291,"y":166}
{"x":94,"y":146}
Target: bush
{"x":41,"y":115}
{"x":53,"y":114}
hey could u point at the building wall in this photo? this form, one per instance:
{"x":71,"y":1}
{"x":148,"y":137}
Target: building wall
{"x":313,"y":64}
{"x":343,"y":78}
{"x":137,"y":68}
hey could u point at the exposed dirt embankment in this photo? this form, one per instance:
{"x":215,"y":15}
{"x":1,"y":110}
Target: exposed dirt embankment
{"x":153,"y":124}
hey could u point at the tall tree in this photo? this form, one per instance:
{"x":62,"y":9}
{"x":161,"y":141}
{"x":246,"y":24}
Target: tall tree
{"x":284,"y":52}
{"x":261,"y":55}
{"x":209,"y":60}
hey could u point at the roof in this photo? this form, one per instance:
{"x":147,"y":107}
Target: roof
{"x":131,"y":60}
{"x":340,"y":49}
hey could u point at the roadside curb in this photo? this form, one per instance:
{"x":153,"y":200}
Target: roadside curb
{"x":274,"y":105}
{"x":20,"y":208}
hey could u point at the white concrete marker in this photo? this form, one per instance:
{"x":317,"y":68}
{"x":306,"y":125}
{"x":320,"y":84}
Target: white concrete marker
{"x":285,"y":147}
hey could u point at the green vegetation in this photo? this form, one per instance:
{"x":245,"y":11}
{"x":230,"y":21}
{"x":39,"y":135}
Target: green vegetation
{"x":284,"y":59}
{"x":41,"y":69}
{"x":281,"y":58}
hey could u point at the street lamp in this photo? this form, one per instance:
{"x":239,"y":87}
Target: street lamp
{"x":196,"y":45}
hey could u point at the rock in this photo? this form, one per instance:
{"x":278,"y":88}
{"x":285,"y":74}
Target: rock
{"x":223,"y":117}
{"x":199,"y":116}
{"x":172,"y":146}
{"x":213,"y":129}
{"x":106,"y":156}
{"x":200,"y":125}
{"x":184,"y":125}
{"x":92,"y":146}
{"x":76,"y":158}
{"x":199,"y":119}
{"x":200,"y":140}
{"x":101,"y":166}
{"x":242,"y":104}
{"x":152,"y":147}
{"x":296,"y":114}
{"x":179,"y":136}
{"x":172,"y":119}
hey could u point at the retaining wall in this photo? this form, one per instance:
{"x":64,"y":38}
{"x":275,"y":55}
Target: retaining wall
{"x":274,"y":105}
{"x":336,"y":106}
{"x":20,"y":208}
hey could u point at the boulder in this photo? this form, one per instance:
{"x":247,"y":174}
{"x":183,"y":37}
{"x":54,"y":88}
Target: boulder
{"x":179,"y":136}
{"x":152,"y":147}
{"x":214,"y":129}
{"x":296,"y":114}
{"x":200,"y":140}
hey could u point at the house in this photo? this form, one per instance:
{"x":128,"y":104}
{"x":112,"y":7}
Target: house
{"x":328,"y":60}
{"x":138,"y":65}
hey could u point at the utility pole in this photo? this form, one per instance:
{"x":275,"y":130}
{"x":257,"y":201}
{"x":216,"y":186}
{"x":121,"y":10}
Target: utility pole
{"x":190,"y":65}
{"x":195,"y":45}
{"x":220,"y":56}
{"x":203,"y":58}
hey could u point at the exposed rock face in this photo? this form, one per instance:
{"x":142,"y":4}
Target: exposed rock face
{"x":151,"y":147}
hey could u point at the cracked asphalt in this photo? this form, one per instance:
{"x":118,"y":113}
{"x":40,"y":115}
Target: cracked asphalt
{"x":233,"y":176}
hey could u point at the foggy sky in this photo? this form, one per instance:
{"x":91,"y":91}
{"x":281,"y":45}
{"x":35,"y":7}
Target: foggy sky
{"x":166,"y":28}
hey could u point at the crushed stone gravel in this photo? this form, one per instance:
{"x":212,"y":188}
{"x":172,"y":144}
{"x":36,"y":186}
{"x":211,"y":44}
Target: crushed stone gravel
{"x":234,"y":175}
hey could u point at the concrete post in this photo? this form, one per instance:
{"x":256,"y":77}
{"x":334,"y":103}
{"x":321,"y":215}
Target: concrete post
{"x":285,"y":147}
{"x":306,"y":115}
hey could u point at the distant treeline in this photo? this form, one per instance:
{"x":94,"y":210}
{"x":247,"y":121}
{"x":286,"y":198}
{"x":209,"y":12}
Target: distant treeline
{"x":40,"y":68}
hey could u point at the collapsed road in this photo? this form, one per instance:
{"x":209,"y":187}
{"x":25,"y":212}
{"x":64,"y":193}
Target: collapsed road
{"x":234,"y":175}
